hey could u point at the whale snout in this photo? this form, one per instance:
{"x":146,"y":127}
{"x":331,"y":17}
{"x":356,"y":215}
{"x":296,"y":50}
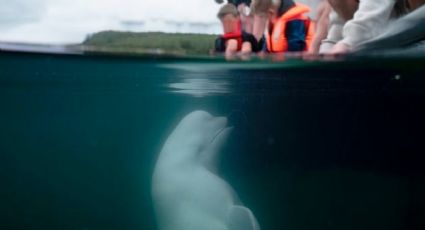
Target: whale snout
{"x":199,"y":115}
{"x":201,"y":118}
{"x":220,"y":122}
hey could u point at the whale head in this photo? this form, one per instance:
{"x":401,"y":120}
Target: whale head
{"x":187,"y":192}
{"x":198,"y":137}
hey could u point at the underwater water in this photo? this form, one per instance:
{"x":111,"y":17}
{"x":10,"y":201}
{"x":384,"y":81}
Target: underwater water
{"x":315,"y":145}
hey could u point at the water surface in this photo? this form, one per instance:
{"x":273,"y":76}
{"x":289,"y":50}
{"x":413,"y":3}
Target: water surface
{"x":316,"y":145}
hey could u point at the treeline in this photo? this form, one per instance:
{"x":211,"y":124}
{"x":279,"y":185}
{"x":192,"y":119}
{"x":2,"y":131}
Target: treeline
{"x":150,"y":42}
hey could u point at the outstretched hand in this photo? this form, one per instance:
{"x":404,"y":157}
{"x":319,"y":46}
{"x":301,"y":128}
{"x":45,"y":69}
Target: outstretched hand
{"x":340,"y":48}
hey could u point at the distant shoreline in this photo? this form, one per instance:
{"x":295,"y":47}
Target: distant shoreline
{"x":150,"y":42}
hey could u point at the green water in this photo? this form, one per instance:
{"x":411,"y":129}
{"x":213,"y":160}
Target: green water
{"x":316,"y":145}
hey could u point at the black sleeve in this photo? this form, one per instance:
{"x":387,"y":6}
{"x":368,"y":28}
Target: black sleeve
{"x":262,"y":44}
{"x":246,"y":37}
{"x":295,"y":34}
{"x":237,"y":2}
{"x":220,"y":45}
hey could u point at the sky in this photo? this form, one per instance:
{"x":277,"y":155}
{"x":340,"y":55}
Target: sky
{"x":70,"y":21}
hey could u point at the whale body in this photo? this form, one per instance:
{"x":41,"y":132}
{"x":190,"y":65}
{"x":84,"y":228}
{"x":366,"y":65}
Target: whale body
{"x":187,"y":193}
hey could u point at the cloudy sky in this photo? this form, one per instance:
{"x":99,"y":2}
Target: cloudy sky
{"x":69,"y":21}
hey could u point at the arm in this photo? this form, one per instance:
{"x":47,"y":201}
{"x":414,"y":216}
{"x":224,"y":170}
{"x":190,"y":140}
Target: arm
{"x":246,"y":48}
{"x":259,"y":25}
{"x":336,"y":25}
{"x":368,"y":22}
{"x":231,"y":47}
{"x":322,"y":28}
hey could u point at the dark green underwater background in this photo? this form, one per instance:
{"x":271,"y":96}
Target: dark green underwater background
{"x":316,"y":145}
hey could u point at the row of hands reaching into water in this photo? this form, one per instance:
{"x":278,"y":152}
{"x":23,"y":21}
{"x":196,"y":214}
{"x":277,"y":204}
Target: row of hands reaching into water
{"x":267,"y":27}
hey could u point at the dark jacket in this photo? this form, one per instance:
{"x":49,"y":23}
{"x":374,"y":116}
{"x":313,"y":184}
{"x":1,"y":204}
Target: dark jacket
{"x":235,"y":2}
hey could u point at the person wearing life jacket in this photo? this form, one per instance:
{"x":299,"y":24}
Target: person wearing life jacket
{"x":289,"y":29}
{"x":234,"y":38}
{"x":243,"y":7}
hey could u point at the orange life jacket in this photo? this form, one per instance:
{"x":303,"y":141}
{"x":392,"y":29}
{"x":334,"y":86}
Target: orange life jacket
{"x":276,"y":39}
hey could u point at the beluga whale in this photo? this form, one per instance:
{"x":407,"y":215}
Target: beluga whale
{"x":187,"y":193}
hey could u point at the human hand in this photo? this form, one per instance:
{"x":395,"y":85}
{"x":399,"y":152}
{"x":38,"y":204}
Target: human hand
{"x":340,"y":48}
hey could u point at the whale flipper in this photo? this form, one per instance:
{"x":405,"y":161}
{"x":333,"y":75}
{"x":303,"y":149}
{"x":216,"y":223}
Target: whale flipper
{"x":240,"y":217}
